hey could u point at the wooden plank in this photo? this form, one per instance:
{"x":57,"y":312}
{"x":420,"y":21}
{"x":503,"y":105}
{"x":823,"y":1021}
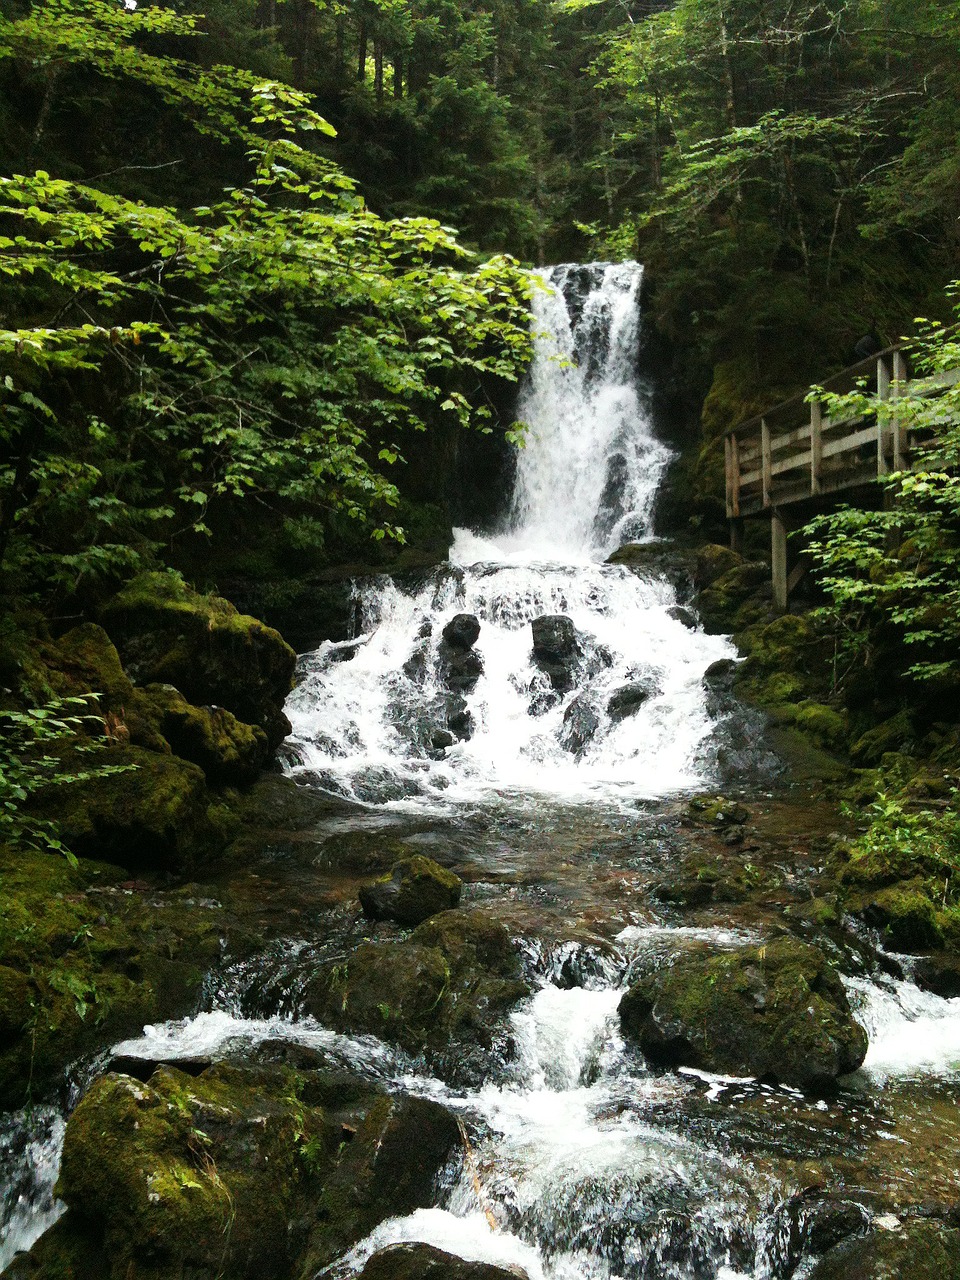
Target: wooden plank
{"x":816,"y":445}
{"x":796,"y":576}
{"x":765,"y":460}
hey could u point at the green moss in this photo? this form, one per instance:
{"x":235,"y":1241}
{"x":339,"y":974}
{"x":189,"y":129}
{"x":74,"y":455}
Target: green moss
{"x":84,"y":962}
{"x":169,"y":634}
{"x":227,"y":750}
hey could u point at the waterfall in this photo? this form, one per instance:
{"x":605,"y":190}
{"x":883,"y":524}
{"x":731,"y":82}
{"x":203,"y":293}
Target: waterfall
{"x":403,"y":716}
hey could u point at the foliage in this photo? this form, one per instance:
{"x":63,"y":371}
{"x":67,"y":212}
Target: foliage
{"x":26,"y":766}
{"x":274,"y":344}
{"x":893,"y":576}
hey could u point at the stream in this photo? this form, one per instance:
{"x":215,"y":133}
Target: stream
{"x":558,"y":786}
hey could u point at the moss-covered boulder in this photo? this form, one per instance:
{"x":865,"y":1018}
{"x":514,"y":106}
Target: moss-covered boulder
{"x":213,"y":1174}
{"x":424,"y":1262}
{"x":916,"y":1251}
{"x":229,"y":752}
{"x":85,"y":960}
{"x":167,"y":633}
{"x":155,"y":814}
{"x":239,"y":1172}
{"x":777,"y":1012}
{"x":415,"y":889}
{"x":713,"y":561}
{"x":738,"y":599}
{"x":443,"y":992}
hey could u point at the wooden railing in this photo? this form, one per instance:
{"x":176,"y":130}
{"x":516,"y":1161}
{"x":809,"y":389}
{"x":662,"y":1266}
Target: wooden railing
{"x":797,"y":453}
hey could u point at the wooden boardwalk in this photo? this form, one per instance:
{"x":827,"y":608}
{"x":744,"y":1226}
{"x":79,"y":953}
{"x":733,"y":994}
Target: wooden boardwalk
{"x":787,"y":463}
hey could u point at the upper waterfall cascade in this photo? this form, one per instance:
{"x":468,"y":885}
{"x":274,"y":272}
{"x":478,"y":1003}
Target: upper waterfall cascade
{"x":401,"y":716}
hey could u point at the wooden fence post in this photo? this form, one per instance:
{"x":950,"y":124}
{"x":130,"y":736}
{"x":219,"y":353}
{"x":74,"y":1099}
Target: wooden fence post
{"x":766,"y":460}
{"x":899,"y":378}
{"x":816,"y":445}
{"x":883,"y":394}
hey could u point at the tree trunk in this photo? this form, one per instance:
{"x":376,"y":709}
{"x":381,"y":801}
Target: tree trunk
{"x":362,"y":51}
{"x":378,"y":69}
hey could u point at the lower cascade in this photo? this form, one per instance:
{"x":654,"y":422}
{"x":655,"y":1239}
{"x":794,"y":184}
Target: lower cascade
{"x":538,"y":717}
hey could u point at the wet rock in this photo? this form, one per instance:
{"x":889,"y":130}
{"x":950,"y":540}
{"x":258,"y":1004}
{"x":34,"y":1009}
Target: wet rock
{"x":363,"y":851}
{"x":424,"y":1262}
{"x":917,"y":1251}
{"x":719,"y":675}
{"x":580,"y":724}
{"x":459,"y":717}
{"x":777,"y":1012}
{"x":686,"y":617}
{"x":460,"y":669}
{"x":155,"y":814}
{"x":440,"y":739}
{"x":557,"y":649}
{"x":415,"y":889}
{"x":629,"y":698}
{"x":167,"y":633}
{"x":445,"y":991}
{"x":216,"y":1174}
{"x":240,"y":1171}
{"x":462,"y":631}
{"x":228,"y":751}
{"x":939,"y":973}
{"x":471,"y":939}
{"x":388,"y":1166}
{"x":810,"y":1222}
{"x":718,"y":811}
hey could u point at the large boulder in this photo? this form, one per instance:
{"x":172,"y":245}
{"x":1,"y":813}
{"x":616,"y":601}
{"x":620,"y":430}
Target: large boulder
{"x":415,"y":889}
{"x":462,"y":631}
{"x":778,"y":1012}
{"x":240,"y":1171}
{"x":557,"y":649}
{"x":424,"y":1262}
{"x":167,"y":633}
{"x":713,"y":561}
{"x":460,"y":668}
{"x":444,"y":992}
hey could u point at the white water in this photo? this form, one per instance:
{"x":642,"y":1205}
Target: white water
{"x":586,"y":482}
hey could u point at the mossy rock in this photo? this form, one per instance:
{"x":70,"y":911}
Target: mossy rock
{"x":777,"y":1012}
{"x":713,"y":561}
{"x":84,"y":962}
{"x":156,"y":815}
{"x":917,"y":1251}
{"x":229,"y":752}
{"x":444,"y":992}
{"x":897,"y":734}
{"x":737,"y":599}
{"x":167,"y":633}
{"x":824,"y":725}
{"x":424,"y":1262}
{"x":215,"y":1174}
{"x":906,"y":917}
{"x":415,"y":889}
{"x":358,"y":852}
{"x":471,"y":939}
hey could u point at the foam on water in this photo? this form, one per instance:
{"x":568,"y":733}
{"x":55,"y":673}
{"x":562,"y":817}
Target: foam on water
{"x":911,"y":1032}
